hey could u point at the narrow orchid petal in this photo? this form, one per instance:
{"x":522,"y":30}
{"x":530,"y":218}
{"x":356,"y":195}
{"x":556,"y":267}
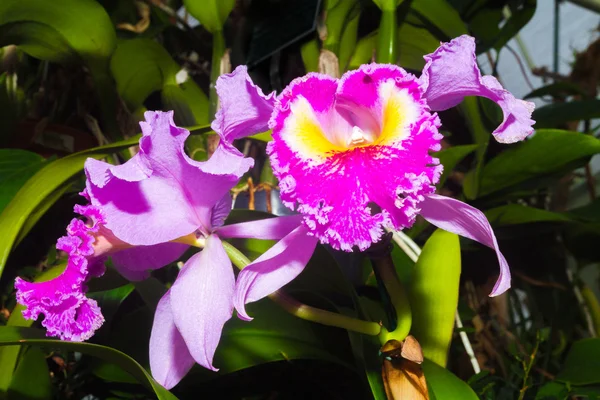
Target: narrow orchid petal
{"x":170,"y":359}
{"x":161,"y":194}
{"x":202,"y":300}
{"x":270,"y":228}
{"x":244,"y":110}
{"x":451,"y":73}
{"x":274,"y":269}
{"x":460,"y":218}
{"x":134,"y":263}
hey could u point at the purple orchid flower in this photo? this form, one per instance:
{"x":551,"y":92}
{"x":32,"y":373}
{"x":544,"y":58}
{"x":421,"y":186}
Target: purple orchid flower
{"x":352,"y":156}
{"x":144,"y":214}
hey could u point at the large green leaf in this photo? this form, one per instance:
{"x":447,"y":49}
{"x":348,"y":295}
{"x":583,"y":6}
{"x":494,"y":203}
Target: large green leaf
{"x":553,"y":115}
{"x":558,"y":89}
{"x":582,"y":365}
{"x":32,"y":368}
{"x":433,"y":294}
{"x":443,"y":384}
{"x":514,"y":214}
{"x":10,"y":355}
{"x":548,"y":152}
{"x":16,"y":167}
{"x":275,"y":335}
{"x":40,"y":186}
{"x":11,"y":336}
{"x":442,"y":16}
{"x":210,"y":13}
{"x":413,"y":44}
{"x":140,"y":67}
{"x":66,"y":31}
{"x":59,"y":30}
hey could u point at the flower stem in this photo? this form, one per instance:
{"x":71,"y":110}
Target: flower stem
{"x":387,"y":39}
{"x":304,"y":311}
{"x":385,"y":271}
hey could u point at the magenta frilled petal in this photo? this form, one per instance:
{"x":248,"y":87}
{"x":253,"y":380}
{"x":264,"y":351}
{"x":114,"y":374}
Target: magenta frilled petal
{"x":170,"y":359}
{"x":457,"y":217}
{"x":353,"y":155}
{"x":270,"y":228}
{"x":67,"y":312}
{"x":161,"y":194}
{"x":244,"y":109}
{"x":136,"y":262}
{"x":274,"y":269}
{"x":202,"y":300}
{"x":451,"y":73}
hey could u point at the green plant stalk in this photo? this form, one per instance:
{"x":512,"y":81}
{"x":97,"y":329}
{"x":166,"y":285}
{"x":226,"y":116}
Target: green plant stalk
{"x":215,"y":71}
{"x":387,"y":37}
{"x":303,"y":311}
{"x":593,"y":306}
{"x":384,"y":270}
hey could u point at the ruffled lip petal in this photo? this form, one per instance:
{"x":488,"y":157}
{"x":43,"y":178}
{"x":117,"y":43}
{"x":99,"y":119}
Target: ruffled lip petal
{"x":244,"y":110}
{"x":68,"y":313}
{"x":202,"y":300}
{"x":329,"y":181}
{"x":267,"y":229}
{"x":274,"y":269}
{"x":170,"y":359}
{"x":457,"y":217}
{"x":451,"y":73}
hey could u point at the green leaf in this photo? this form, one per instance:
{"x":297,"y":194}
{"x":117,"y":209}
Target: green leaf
{"x":514,"y":214}
{"x":16,"y":167}
{"x":142,"y":66}
{"x":10,"y":355}
{"x":552,"y":391}
{"x":210,"y":13}
{"x":348,"y":39}
{"x":582,"y":365}
{"x":337,"y":19}
{"x":552,"y":115}
{"x":34,"y":337}
{"x":558,"y":89}
{"x":413,"y":44}
{"x":433,"y":295}
{"x":59,"y":30}
{"x":450,"y":158}
{"x":363,"y":52}
{"x":548,"y":152}
{"x":275,"y":335}
{"x":442,"y":16}
{"x":387,"y":4}
{"x":42,"y":185}
{"x":66,"y":31}
{"x":310,"y":55}
{"x":31,"y":368}
{"x":443,"y":384}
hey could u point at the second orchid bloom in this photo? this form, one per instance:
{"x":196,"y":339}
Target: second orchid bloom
{"x":353,"y":158}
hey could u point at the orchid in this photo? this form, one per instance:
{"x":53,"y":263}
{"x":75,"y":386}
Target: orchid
{"x":353,"y":157}
{"x":145,"y":214}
